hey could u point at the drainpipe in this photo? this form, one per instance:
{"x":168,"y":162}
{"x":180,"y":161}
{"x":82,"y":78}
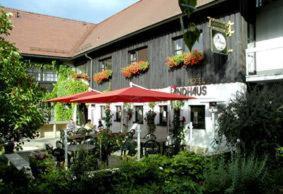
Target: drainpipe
{"x":91,"y":70}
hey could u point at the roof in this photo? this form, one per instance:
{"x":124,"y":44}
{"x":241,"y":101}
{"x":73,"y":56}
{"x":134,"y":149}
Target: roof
{"x":138,"y":16}
{"x":38,"y":34}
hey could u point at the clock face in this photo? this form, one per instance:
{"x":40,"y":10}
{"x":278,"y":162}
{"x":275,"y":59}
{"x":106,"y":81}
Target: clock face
{"x":219,"y":41}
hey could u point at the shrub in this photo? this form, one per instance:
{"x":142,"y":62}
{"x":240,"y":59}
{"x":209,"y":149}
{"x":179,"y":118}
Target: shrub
{"x":255,"y":118}
{"x":54,"y":181}
{"x":188,"y":165}
{"x":182,"y":185}
{"x":40,"y":163}
{"x":83,"y":162}
{"x":240,"y":175}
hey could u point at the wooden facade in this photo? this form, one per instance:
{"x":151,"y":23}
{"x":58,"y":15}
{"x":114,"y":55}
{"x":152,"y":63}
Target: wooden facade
{"x":159,"y":41}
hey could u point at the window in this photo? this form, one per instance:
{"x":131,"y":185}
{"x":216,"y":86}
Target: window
{"x":139,"y":114}
{"x":198,"y":116}
{"x":118,"y":115}
{"x":163,"y":114}
{"x":81,"y":68}
{"x":138,"y":55}
{"x":179,"y":45}
{"x":49,"y":76}
{"x":102,"y":112}
{"x":105,"y":63}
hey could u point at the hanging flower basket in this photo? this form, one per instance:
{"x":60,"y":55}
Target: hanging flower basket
{"x":135,"y":69}
{"x":193,"y":58}
{"x":102,"y":76}
{"x":83,"y":76}
{"x":175,"y":61}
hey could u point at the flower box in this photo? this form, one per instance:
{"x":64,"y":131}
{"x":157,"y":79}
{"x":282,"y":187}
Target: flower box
{"x":102,"y":76}
{"x":81,"y":76}
{"x":135,"y":69}
{"x":193,"y":58}
{"x":185,"y":59}
{"x":175,"y":61}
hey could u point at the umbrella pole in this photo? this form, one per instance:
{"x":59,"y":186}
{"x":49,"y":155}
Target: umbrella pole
{"x":139,"y":141}
{"x":168,"y":117}
{"x":75,"y":113}
{"x":122,"y":118}
{"x":66,"y":148}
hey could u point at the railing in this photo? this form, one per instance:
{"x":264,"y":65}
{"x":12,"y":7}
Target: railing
{"x":265,"y":61}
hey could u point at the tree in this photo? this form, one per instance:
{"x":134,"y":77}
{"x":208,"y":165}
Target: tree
{"x":177,"y":127}
{"x":254,"y":119}
{"x":20,"y":96}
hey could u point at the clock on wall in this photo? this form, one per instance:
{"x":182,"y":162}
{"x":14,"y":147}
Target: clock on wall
{"x":219,"y":42}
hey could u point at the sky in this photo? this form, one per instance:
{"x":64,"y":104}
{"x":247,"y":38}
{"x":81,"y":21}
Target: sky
{"x":93,"y":11}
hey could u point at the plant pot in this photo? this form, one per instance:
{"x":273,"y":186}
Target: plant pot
{"x":9,"y":147}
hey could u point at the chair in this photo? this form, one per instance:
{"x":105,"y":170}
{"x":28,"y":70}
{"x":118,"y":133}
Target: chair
{"x":49,"y":148}
{"x":151,"y":147}
{"x":129,"y":144}
{"x":150,"y":136}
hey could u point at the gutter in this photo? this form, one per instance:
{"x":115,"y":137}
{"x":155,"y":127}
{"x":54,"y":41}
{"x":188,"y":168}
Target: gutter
{"x":91,"y":69}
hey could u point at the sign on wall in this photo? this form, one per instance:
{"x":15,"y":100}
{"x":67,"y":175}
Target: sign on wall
{"x":190,"y":90}
{"x":220,"y":31}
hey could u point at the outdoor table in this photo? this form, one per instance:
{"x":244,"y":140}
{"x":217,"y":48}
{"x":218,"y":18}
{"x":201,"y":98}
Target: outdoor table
{"x":80,"y":137}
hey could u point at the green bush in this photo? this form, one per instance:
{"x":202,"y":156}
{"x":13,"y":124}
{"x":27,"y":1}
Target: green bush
{"x":240,"y":175}
{"x":189,"y":165}
{"x":54,"y":181}
{"x":83,"y":162}
{"x":11,"y":180}
{"x":182,"y":185}
{"x":40,"y":163}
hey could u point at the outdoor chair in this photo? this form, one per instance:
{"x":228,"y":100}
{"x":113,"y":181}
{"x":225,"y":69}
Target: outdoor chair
{"x":49,"y":148}
{"x":129,"y":145}
{"x":150,"y":136}
{"x":151,"y":147}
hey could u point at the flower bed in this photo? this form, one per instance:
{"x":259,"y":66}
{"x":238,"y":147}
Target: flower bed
{"x":102,"y":76}
{"x":135,"y":69}
{"x":186,"y":59}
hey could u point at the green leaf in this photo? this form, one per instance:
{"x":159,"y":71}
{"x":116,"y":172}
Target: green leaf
{"x":191,"y":36}
{"x":187,"y":6}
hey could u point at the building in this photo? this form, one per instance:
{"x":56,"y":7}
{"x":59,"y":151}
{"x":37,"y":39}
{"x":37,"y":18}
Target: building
{"x":264,"y":53}
{"x":151,"y":30}
{"x":43,"y":39}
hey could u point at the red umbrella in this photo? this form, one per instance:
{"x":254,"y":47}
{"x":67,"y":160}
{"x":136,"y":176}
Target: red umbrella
{"x":131,"y":94}
{"x":68,"y":99}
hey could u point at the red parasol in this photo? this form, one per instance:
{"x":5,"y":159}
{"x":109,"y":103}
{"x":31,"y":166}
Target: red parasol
{"x":68,"y":99}
{"x":131,"y":94}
